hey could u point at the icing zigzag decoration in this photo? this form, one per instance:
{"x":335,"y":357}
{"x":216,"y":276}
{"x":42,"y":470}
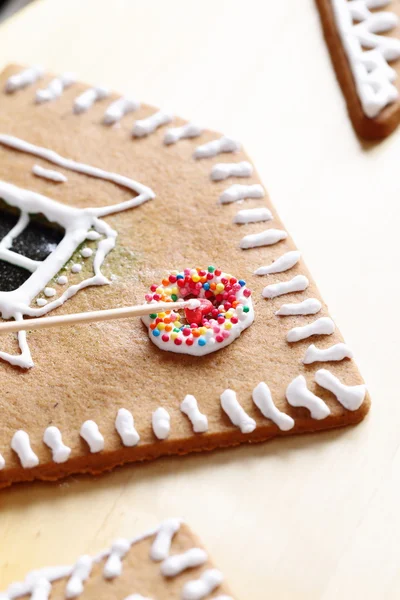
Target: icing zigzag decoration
{"x":241,"y":364}
{"x":366,"y":60}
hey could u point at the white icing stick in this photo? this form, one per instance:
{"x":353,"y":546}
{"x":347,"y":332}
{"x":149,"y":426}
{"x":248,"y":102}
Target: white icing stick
{"x":144,"y":192}
{"x":20,"y":443}
{"x":125,"y":426}
{"x":238,"y":191}
{"x":263,"y":400}
{"x":86,"y":252}
{"x":190,"y":408}
{"x":297,"y":284}
{"x":23,"y":79}
{"x":53,"y":439}
{"x":41,"y":590}
{"x":367,"y":52}
{"x":210,"y":149}
{"x":222,"y":171}
{"x":252,"y":215}
{"x":349,"y":396}
{"x":118,"y":109}
{"x":176,"y":564}
{"x":55,"y":88}
{"x":92,"y":436}
{"x":236,"y":413}
{"x":202,"y":587}
{"x":264,"y":238}
{"x":161,"y":422}
{"x":161,"y":546}
{"x":146,"y":126}
{"x":190,"y":130}
{"x":311,"y":306}
{"x":80,"y":574}
{"x":49,"y":174}
{"x":283,"y":263}
{"x":83,"y":102}
{"x":335,"y":353}
{"x":322,"y":326}
{"x":2,"y":462}
{"x":298,"y":394}
{"x":113,"y":566}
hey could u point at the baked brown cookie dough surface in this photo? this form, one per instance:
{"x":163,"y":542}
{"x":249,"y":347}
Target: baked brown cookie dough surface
{"x":168,"y":562}
{"x":89,"y":373}
{"x":366,"y":27}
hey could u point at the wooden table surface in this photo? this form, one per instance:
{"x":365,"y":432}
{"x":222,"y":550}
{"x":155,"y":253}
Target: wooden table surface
{"x":312,"y":517}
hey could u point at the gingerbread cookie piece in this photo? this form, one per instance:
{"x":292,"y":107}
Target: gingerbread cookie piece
{"x":167,"y":562}
{"x":116,"y":203}
{"x":364,"y":41}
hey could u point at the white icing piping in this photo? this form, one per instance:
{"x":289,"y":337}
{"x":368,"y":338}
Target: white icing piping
{"x":53,"y":439}
{"x":2,"y":462}
{"x":161,"y":422}
{"x":190,"y":130}
{"x":333,"y":353}
{"x":298,"y":394}
{"x":372,"y":75}
{"x":80,"y":573}
{"x":222,"y":171}
{"x":252,"y":215}
{"x":210,"y":149}
{"x":23,"y":79}
{"x":311,"y":306}
{"x":125,"y":426}
{"x":49,"y":174}
{"x":83,"y":102}
{"x":297,"y":284}
{"x":161,"y":546}
{"x":202,"y":587}
{"x":350,"y":397}
{"x":322,"y":326}
{"x":91,"y":434}
{"x":118,"y":109}
{"x":178,"y":563}
{"x":282,"y":263}
{"x":264,"y":238}
{"x":263,"y":400}
{"x":236,"y":412}
{"x":237,"y":192}
{"x":113,"y":566}
{"x":21,"y":445}
{"x":144,"y":127}
{"x":55,"y":88}
{"x":190,"y":408}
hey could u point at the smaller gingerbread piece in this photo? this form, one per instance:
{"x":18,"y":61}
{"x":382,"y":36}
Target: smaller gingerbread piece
{"x":363,"y":40}
{"x":165,"y":563}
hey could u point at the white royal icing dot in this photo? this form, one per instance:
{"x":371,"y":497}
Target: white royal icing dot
{"x":86,"y":252}
{"x":62,"y":280}
{"x":76,"y":268}
{"x":49,"y":292}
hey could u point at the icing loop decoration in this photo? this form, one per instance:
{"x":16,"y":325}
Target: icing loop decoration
{"x":161,"y":423}
{"x":49,"y":174}
{"x":350,"y":397}
{"x":202,"y":587}
{"x":333,"y":353}
{"x":53,"y":439}
{"x":190,"y":408}
{"x":298,"y":394}
{"x":283,"y":263}
{"x":92,"y":436}
{"x":224,"y":144}
{"x":368,"y":52}
{"x":297,"y":284}
{"x":162,"y":543}
{"x":263,"y":400}
{"x":83,"y":102}
{"x":322,"y":326}
{"x":21,"y":445}
{"x":55,"y":88}
{"x":311,"y":306}
{"x":252,"y":215}
{"x":238,"y":192}
{"x":125,"y":426}
{"x":118,"y":109}
{"x":264,"y":238}
{"x":146,"y":126}
{"x":190,"y":130}
{"x":236,"y":412}
{"x":176,"y":564}
{"x":222,"y":171}
{"x":23,"y":79}
{"x":230,"y":311}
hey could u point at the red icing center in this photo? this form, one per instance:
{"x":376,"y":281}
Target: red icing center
{"x":196,"y":315}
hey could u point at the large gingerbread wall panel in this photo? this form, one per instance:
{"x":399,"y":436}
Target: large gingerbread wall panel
{"x":107,"y":203}
{"x":363,"y":38}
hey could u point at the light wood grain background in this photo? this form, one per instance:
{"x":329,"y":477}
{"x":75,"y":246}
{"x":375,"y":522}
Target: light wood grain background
{"x":315,"y":517}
